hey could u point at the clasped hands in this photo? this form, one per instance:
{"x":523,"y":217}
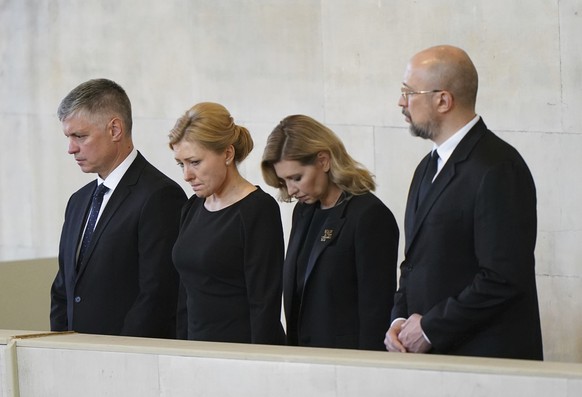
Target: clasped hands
{"x":406,"y":336}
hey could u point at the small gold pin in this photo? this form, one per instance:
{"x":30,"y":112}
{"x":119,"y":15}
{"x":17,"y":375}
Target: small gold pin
{"x":327,"y":234}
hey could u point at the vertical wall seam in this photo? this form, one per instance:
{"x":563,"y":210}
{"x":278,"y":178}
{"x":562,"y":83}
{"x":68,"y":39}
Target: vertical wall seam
{"x":562,"y":104}
{"x":12,"y":381}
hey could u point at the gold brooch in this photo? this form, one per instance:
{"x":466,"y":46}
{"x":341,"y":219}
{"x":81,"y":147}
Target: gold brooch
{"x":327,"y":233}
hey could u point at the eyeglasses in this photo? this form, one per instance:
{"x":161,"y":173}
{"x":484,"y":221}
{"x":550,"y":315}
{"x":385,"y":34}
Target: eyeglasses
{"x":406,"y":93}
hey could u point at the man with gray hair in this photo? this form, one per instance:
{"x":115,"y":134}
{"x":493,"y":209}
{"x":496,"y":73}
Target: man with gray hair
{"x":116,"y":275}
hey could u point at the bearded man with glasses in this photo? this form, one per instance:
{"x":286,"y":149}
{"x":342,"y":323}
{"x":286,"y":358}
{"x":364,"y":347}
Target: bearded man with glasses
{"x":467,"y":283}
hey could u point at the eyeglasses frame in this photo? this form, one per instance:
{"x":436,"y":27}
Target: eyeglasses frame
{"x":406,"y":94}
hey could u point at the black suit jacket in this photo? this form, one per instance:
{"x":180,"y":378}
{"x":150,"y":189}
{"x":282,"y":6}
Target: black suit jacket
{"x":469,"y":256}
{"x":350,"y":279}
{"x":127,"y":284}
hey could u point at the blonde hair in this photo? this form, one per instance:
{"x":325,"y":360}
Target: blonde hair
{"x":211,"y":125}
{"x":300,"y":138}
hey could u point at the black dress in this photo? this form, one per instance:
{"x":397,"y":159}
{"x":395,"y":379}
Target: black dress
{"x":230,"y":264}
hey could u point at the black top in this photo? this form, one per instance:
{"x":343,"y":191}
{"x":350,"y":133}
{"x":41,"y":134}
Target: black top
{"x":349,"y":267}
{"x":230,"y":264}
{"x":313,"y":234}
{"x":315,"y":230}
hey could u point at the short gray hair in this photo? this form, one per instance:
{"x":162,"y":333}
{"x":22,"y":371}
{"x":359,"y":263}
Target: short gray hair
{"x":98,"y":97}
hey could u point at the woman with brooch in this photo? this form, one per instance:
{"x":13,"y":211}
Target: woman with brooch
{"x":339,"y":274}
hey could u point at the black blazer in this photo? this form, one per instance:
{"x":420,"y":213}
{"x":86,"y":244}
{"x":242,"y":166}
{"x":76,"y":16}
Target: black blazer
{"x":469,"y":256}
{"x":350,"y":279}
{"x":127,"y":284}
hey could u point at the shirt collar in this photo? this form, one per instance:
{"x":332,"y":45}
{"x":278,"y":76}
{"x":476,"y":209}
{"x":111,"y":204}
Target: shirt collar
{"x":115,"y":176}
{"x":445,"y":150}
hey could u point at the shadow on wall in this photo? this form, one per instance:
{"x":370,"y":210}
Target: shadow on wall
{"x":25,"y":293}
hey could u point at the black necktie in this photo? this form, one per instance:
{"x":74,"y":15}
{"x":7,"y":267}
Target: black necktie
{"x":429,"y":174}
{"x":95,"y":206}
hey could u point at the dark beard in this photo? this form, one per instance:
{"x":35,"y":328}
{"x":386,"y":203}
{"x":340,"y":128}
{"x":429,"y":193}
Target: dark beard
{"x":420,"y":131}
{"x":426,"y":131}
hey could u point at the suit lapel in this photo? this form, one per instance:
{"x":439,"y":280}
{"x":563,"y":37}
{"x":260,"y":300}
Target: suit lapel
{"x":330,"y":231}
{"x":414,"y":219}
{"x":439,"y":184}
{"x":411,"y":210}
{"x":80,"y":214}
{"x":118,"y":197}
{"x":304,"y":216}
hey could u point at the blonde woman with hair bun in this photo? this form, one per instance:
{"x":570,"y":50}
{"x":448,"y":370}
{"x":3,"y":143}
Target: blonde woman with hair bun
{"x":229,"y":251}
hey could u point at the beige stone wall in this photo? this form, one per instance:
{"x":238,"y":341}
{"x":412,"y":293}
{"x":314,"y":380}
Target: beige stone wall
{"x":24,"y":293}
{"x":340,"y":61}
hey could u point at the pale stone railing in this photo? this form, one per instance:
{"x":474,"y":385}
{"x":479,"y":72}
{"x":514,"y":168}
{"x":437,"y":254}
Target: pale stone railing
{"x":68,"y":364}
